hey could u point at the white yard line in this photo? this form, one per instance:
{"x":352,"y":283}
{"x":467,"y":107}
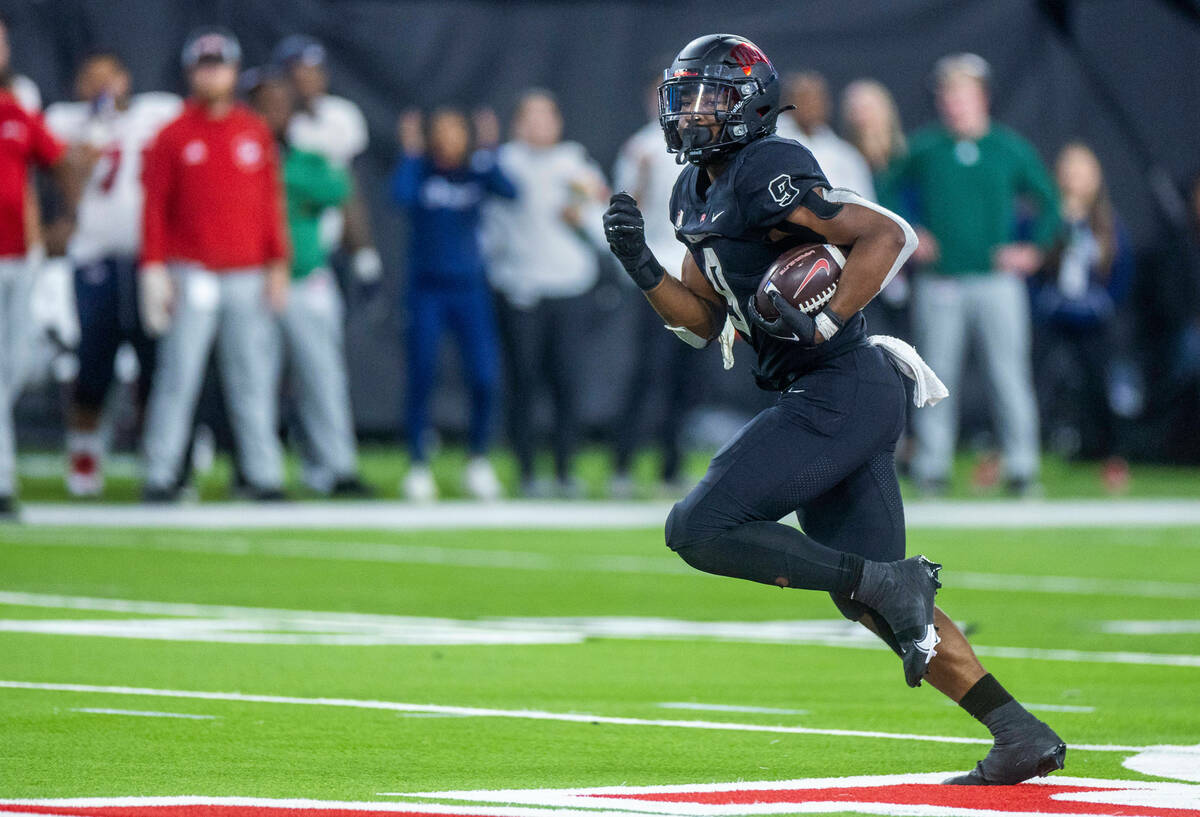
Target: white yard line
{"x":536,"y":715}
{"x":760,"y":710}
{"x":1073,"y":585}
{"x":1083,"y":710}
{"x":145,"y":714}
{"x":1164,"y":627}
{"x":225,"y":624}
{"x":351,"y":551}
{"x":574,"y":515}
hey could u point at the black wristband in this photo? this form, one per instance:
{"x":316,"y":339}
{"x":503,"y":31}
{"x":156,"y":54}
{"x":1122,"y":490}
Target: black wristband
{"x":645,"y":271}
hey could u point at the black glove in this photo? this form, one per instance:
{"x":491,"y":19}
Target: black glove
{"x":626,"y":233}
{"x":793,"y":323}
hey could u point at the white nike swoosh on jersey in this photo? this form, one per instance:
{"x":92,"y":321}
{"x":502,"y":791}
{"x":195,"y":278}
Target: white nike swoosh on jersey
{"x":716,"y":216}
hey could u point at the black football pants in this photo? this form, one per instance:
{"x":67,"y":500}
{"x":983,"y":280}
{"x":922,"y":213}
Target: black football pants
{"x":824,"y":450}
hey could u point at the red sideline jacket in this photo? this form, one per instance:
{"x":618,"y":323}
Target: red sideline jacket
{"x":24,"y":139}
{"x":213,"y":195}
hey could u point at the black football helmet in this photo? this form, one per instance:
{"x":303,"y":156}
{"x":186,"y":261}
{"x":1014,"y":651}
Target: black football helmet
{"x":729,"y":82}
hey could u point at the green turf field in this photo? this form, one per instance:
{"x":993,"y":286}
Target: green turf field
{"x":561,"y":623}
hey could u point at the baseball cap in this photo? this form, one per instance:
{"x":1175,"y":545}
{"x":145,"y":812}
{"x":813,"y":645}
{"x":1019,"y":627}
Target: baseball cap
{"x":251,"y":79}
{"x":298,"y":48}
{"x":964,"y":64}
{"x":210,"y":44}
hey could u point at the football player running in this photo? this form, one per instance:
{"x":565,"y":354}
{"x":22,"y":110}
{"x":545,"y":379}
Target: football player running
{"x":825,"y":449}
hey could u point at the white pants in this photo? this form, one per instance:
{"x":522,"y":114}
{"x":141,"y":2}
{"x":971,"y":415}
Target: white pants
{"x":229,"y":308}
{"x":313,"y":345}
{"x":992,"y":309}
{"x":16,"y":287}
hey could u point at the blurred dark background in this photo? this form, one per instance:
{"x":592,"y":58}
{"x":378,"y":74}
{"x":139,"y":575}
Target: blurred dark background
{"x":1119,"y":74}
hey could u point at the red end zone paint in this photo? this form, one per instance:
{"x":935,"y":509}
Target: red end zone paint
{"x":916,"y":795}
{"x":1026,"y":799}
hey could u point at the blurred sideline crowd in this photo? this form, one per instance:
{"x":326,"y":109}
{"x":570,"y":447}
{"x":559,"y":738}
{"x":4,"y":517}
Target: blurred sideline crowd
{"x":198,"y":234}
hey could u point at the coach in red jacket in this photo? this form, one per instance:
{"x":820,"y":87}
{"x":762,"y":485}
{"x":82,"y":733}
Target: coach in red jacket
{"x":24,"y":143}
{"x":214,"y":267}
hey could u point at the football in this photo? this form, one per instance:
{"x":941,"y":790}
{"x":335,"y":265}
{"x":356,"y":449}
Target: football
{"x":806,"y":276}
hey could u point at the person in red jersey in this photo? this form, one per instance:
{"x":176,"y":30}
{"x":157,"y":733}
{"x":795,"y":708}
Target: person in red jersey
{"x":214,"y":267}
{"x":24,"y":143}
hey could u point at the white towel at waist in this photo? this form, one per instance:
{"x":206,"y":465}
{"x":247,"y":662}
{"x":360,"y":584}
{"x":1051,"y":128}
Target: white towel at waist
{"x":929,"y":389}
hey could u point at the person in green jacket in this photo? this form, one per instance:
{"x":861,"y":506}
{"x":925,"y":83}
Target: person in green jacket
{"x":986,"y":211}
{"x":311,"y":324}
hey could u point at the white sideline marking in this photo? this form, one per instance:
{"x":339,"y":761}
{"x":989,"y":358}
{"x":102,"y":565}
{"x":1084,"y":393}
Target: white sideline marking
{"x":144,"y":714}
{"x":1151,"y":627}
{"x":536,"y":715}
{"x":258,"y":625}
{"x":574,"y":515}
{"x":762,"y":710}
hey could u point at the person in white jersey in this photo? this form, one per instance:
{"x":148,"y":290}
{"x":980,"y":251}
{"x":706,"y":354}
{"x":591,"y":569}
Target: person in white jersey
{"x":112,"y":126}
{"x":335,"y":128}
{"x":663,"y":366}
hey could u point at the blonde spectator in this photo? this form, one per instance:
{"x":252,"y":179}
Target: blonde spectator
{"x":543,"y":248}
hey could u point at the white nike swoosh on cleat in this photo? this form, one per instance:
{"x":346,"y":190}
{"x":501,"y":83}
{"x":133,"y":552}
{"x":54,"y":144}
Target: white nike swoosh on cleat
{"x":926,"y":644}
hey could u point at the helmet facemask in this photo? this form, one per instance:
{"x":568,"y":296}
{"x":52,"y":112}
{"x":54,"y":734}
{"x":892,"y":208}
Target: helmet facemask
{"x":702,"y":116}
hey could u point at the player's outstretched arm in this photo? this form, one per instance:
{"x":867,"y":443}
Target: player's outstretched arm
{"x":690,"y":304}
{"x":879,"y":243}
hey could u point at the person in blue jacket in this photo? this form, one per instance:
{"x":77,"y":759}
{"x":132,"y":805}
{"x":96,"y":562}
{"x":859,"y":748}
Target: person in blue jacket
{"x":443,"y":188}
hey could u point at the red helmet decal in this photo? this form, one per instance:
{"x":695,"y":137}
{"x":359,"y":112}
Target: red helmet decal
{"x":747,"y":56}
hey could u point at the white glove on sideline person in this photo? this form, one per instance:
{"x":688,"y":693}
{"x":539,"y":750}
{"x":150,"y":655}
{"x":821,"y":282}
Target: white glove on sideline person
{"x":368,"y":266}
{"x":156,"y":295}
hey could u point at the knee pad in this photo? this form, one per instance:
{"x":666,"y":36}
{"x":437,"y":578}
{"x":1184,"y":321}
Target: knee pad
{"x":676,"y":523}
{"x":681,"y":528}
{"x":703,"y":556}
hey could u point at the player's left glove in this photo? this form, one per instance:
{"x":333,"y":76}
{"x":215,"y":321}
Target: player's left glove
{"x":794,"y":323}
{"x":625,"y":230}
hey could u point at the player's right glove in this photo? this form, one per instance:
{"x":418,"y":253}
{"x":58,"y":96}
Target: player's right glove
{"x":625,"y":230}
{"x":795,"y":324}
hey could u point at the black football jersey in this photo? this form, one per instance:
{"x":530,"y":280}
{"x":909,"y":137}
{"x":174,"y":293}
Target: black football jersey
{"x":725,"y":226}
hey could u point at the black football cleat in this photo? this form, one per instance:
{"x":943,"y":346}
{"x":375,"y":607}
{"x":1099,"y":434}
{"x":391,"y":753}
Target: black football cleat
{"x":903,"y":592}
{"x":1031,"y":750}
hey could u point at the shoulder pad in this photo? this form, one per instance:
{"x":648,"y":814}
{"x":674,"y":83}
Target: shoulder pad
{"x":773,"y":176}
